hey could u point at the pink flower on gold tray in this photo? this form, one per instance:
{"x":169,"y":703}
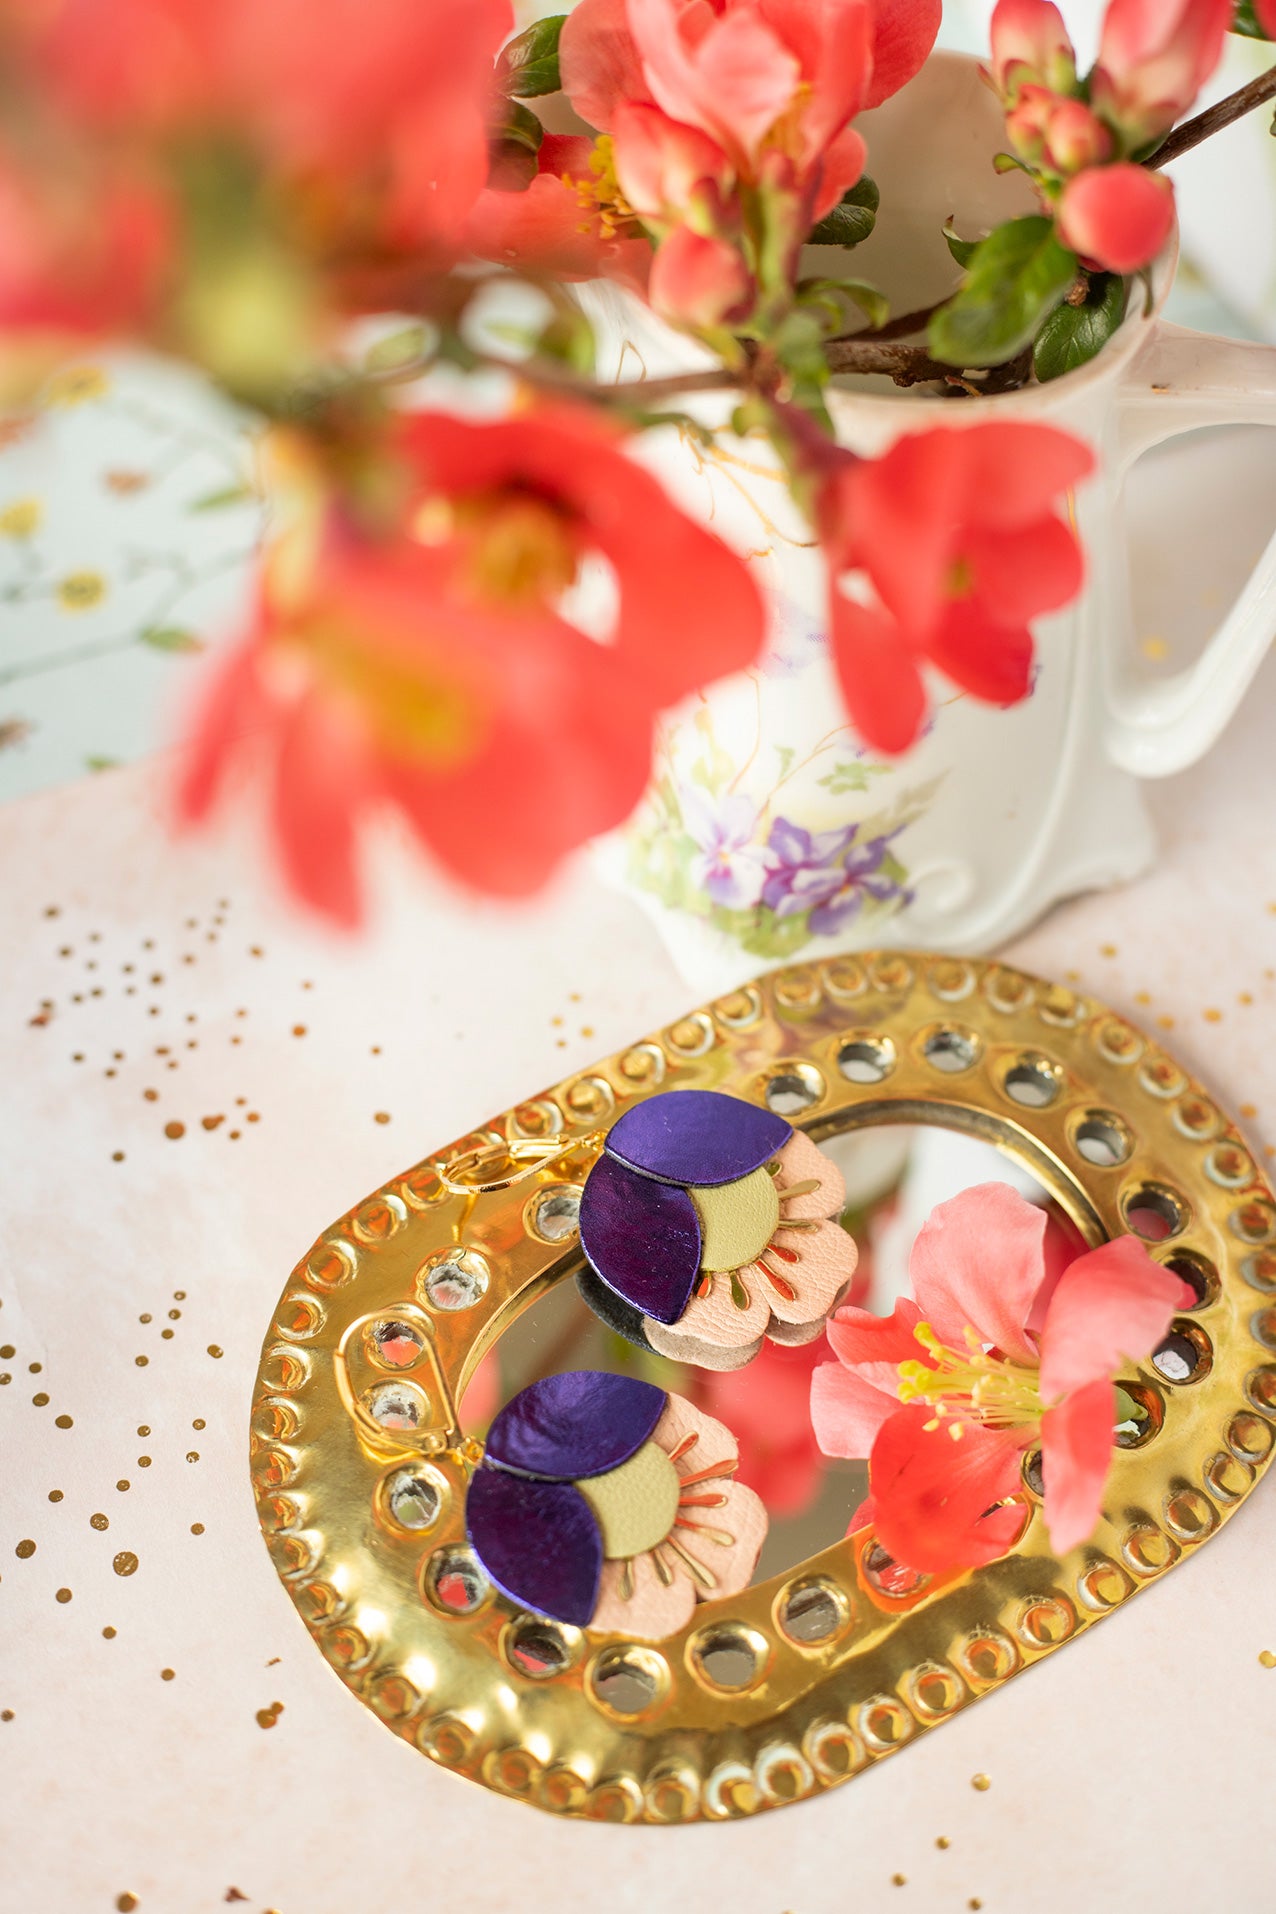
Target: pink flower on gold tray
{"x":1013,"y":1341}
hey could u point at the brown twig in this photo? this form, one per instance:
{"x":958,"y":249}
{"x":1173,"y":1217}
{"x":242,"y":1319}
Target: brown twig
{"x":1215,"y":118}
{"x":901,"y":328}
{"x":907,"y":365}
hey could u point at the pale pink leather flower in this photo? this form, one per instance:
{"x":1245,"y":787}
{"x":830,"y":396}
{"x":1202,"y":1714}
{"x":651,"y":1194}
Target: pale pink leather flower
{"x":1012,"y":1342}
{"x":786,"y":1291}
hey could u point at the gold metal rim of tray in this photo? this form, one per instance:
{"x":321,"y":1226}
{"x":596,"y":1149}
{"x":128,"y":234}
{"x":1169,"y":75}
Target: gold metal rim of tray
{"x":830,"y":1670}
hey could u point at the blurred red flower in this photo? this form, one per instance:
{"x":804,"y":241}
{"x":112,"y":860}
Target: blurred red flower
{"x":1117,"y":217}
{"x":951,"y":542}
{"x":428,"y":667}
{"x":1154,"y":58}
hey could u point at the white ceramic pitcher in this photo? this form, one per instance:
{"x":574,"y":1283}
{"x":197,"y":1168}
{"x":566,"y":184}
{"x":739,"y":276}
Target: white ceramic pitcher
{"x":770,"y":832}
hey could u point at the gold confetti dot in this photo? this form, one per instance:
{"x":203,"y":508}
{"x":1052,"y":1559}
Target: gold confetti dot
{"x":151,"y":1096}
{"x":174,"y":1315}
{"x":1267,"y":1658}
{"x":1142,"y":997}
{"x":1107,"y":950}
{"x":166,"y":1674}
{"x":6,"y":1714}
{"x":212,"y":1122}
{"x":143,"y":1428}
{"x":40,"y":1400}
{"x":179,"y":1295}
{"x":174,"y":1130}
{"x":199,"y":1423}
{"x":197,"y":1528}
{"x":108,"y":1633}
{"x":974,"y":1903}
{"x":8,"y":1351}
{"x":117,"y":1156}
{"x":1165,"y":1023}
{"x":63,"y":1595}
{"x":24,"y":1549}
{"x":55,"y":1495}
{"x":299,"y":1030}
{"x":942,"y":1841}
{"x":899,"y":1880}
{"x":267,"y":1717}
{"x":126,"y":1903}
{"x":1212,"y":1016}
{"x":1154,"y":649}
{"x":192,"y":1455}
{"x":99,"y":1522}
{"x":121,"y":1485}
{"x":143,"y":1462}
{"x":63,"y":1422}
{"x":381,"y":1116}
{"x":125,"y":1562}
{"x":980,"y":1782}
{"x":141,"y":1361}
{"x":214,"y":1350}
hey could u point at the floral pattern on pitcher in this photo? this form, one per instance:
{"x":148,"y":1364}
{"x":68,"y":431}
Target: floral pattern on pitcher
{"x":749,"y":869}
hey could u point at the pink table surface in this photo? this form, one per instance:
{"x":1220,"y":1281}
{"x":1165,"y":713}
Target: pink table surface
{"x":144,"y":985}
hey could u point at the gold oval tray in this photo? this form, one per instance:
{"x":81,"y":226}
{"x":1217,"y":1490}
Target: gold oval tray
{"x":804,"y":1680}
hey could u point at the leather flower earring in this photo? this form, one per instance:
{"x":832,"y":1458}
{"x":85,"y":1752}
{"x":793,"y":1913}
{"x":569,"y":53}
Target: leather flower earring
{"x":604,"y":1502}
{"x":708,"y":1225}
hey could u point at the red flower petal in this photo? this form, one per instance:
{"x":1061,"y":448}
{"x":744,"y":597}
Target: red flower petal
{"x":540,"y":229}
{"x":990,"y":661}
{"x":323,"y":780}
{"x":847,"y":1412}
{"x":878,"y":675}
{"x":901,"y":515}
{"x":934,"y":1498}
{"x":1110,"y":1307}
{"x":1017,"y":474}
{"x":875,"y":1346}
{"x":978,"y":1261}
{"x":1076,"y":1453}
{"x":696,"y":615}
{"x":903,"y":35}
{"x":598,"y":60}
{"x":1020,"y":572}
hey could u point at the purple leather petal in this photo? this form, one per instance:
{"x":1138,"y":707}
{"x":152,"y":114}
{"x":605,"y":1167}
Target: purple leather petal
{"x":538,"y":1541}
{"x":577,"y":1424}
{"x":642,"y":1237}
{"x":696,"y":1136}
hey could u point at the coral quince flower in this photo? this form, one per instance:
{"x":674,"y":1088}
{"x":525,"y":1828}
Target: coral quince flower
{"x":84,"y":257}
{"x":603,"y":1502}
{"x":363,"y":103}
{"x":572,"y":220}
{"x":434,"y":674}
{"x":707,"y":1224}
{"x":1006,"y":1345}
{"x":956,"y":542}
{"x":1117,"y":217}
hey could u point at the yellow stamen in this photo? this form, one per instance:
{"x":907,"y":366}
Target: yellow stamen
{"x":972,"y":1386}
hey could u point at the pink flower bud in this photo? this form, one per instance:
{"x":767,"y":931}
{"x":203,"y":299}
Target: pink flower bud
{"x":1154,"y":58}
{"x":1028,"y":121}
{"x":699,"y":280}
{"x":1117,"y":217}
{"x":1075,"y":139}
{"x":1030,"y":47}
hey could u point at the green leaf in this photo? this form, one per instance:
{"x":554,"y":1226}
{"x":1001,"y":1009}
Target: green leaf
{"x":520,"y":127}
{"x":218,"y":501}
{"x":170,"y":638}
{"x":851,"y":220}
{"x":1007,"y":163}
{"x":1016,"y":278}
{"x":529,"y":64}
{"x":1246,"y":21}
{"x":962,"y":250}
{"x":1073,"y":335}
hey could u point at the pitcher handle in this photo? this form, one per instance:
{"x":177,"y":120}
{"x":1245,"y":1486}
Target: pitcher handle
{"x":1180,"y":381}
